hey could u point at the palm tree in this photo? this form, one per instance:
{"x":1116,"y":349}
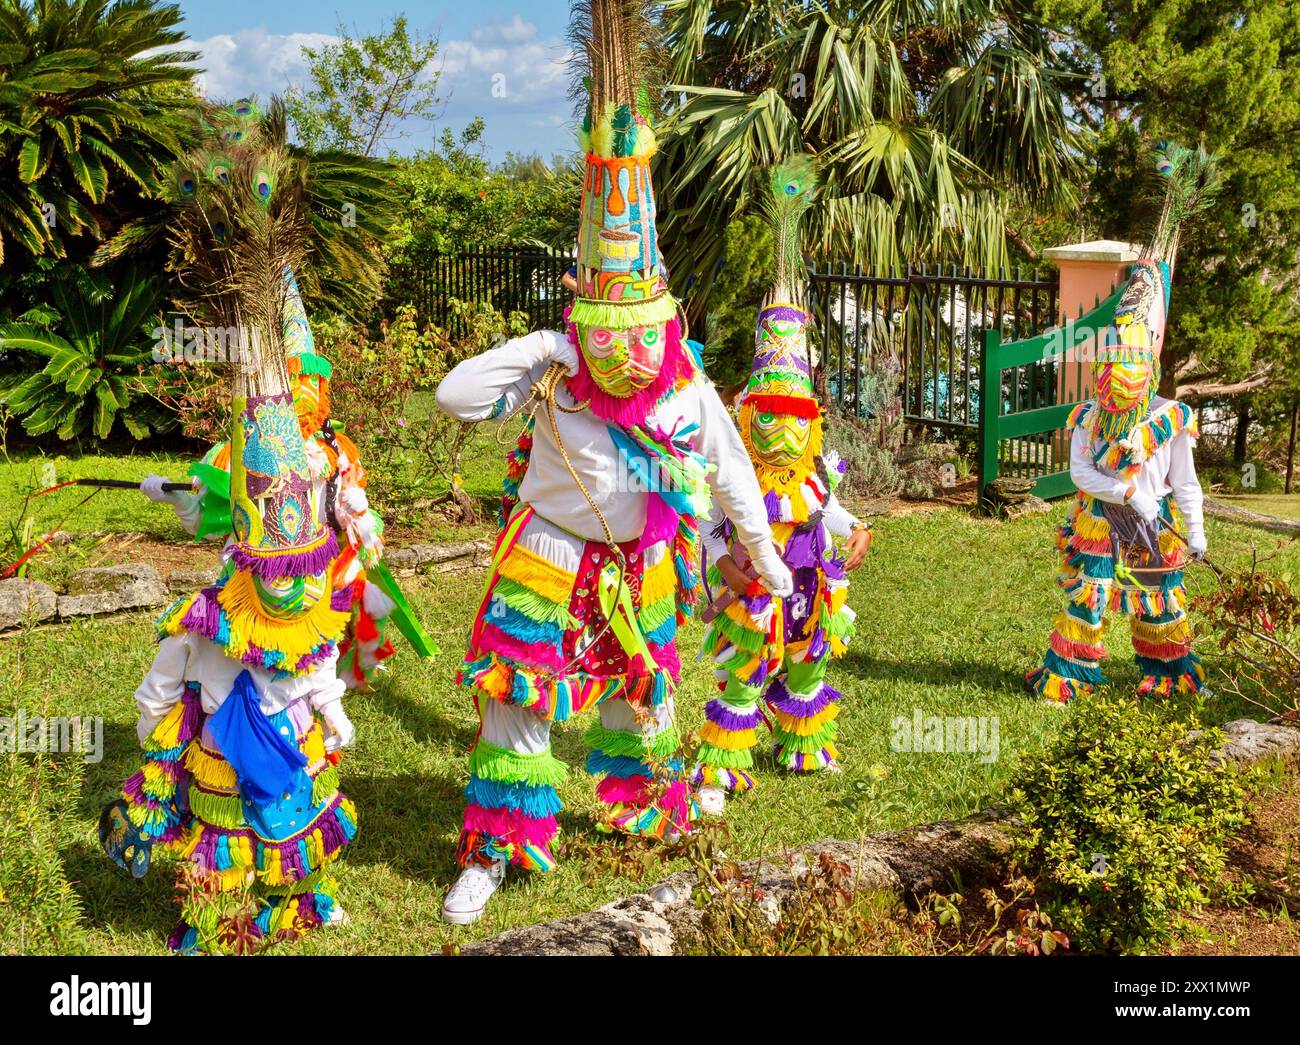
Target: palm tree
{"x":89,"y":93}
{"x":926,"y":117}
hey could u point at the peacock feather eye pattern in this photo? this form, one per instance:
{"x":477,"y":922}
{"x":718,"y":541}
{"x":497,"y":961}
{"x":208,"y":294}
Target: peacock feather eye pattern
{"x":263,"y":186}
{"x":186,"y":185}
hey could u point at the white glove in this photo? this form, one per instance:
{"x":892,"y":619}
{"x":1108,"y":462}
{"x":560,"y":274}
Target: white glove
{"x":563,"y":352}
{"x":1145,"y":505}
{"x":152,"y":487}
{"x":355,"y":500}
{"x":341,"y":731}
{"x":775,"y":576}
{"x":1196,"y":544}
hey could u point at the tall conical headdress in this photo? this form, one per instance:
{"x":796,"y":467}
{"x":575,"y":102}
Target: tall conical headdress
{"x":1191,"y":183}
{"x":620,"y":280}
{"x":241,"y":227}
{"x":781,"y":381}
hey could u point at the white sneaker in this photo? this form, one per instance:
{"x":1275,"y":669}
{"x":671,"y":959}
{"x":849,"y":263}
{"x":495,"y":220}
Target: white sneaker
{"x":467,"y":899}
{"x":711,"y":800}
{"x":833,"y":767}
{"x":338,"y":916}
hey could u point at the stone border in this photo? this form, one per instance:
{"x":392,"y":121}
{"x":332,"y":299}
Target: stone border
{"x":664,"y":920}
{"x":100,"y":590}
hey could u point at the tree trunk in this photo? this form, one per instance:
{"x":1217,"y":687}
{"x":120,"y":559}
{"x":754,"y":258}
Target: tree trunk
{"x":1241,"y":439}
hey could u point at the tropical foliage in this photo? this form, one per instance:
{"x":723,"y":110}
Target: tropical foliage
{"x":96,"y":345}
{"x":924,"y":118}
{"x":89,"y":92}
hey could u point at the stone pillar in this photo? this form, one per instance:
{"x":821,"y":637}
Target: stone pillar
{"x":1089,"y":272}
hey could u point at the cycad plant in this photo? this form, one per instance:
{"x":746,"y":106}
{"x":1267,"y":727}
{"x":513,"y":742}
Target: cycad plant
{"x":924,"y":118}
{"x":89,"y":96}
{"x":94,"y":350}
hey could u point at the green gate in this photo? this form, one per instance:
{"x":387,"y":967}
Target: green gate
{"x":1027,"y":390}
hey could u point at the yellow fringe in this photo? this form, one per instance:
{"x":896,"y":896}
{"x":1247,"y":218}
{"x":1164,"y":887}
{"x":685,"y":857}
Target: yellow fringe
{"x":726,"y":739}
{"x":526,"y":567}
{"x":803,"y":727}
{"x":1071,"y":627}
{"x":210,"y":770}
{"x":167,"y":734}
{"x":1179,"y":630}
{"x":659,"y":581}
{"x":294,"y":639}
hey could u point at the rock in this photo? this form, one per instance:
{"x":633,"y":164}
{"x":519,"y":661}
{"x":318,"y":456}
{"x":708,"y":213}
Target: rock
{"x":402,"y":561}
{"x":1246,"y":740}
{"x":107,"y":589}
{"x":182,"y":582}
{"x":1032,"y":506}
{"x":23,"y":599}
{"x":1009,"y":489}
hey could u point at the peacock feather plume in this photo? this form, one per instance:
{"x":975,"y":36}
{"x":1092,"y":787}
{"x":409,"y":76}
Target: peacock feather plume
{"x":615,"y":39}
{"x":240,"y":219}
{"x":1190,"y":180}
{"x":788,"y":190}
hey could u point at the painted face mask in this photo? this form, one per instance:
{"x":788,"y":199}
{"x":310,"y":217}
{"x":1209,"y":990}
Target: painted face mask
{"x":288,"y":598}
{"x":779,"y":440}
{"x":311,"y":402}
{"x":622,"y":362}
{"x":1122,"y":386}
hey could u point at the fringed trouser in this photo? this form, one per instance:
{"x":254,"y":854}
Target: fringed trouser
{"x":767,"y":651}
{"x":248,"y":873}
{"x":1161,"y":635}
{"x":539,"y":654}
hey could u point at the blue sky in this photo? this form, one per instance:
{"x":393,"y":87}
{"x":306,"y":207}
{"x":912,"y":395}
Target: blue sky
{"x":252,"y":47}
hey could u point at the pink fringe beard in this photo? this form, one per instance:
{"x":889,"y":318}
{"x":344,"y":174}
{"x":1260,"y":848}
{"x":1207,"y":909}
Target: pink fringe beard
{"x":631,"y":410}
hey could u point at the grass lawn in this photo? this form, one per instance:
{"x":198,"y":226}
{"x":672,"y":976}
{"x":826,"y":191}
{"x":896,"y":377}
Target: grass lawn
{"x":1282,"y":505}
{"x":952,"y":610}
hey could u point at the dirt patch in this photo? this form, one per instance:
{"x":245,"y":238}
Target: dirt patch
{"x":163,"y":556}
{"x":1267,"y":855}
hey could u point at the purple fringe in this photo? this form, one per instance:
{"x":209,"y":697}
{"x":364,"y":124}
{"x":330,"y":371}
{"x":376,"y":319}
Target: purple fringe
{"x":204,"y":615}
{"x":773,"y":503}
{"x":723,"y":716}
{"x":288,"y":563}
{"x":341,"y":600}
{"x":780,"y":699}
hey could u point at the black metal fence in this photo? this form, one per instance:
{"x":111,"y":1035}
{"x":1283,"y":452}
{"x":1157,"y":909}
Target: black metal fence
{"x":513,"y":279}
{"x":911,"y":336}
{"x":915,"y":335}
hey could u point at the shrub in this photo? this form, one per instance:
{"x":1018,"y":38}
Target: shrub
{"x":1125,"y":819}
{"x":383,"y":387}
{"x":1256,"y":617}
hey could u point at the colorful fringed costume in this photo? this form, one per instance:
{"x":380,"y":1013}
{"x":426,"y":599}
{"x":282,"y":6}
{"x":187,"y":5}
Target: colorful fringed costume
{"x":241,"y":712}
{"x":768,"y":649}
{"x":1137,"y":516}
{"x":376,"y":602}
{"x":584,"y":596}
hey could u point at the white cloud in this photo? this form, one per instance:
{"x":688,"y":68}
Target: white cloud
{"x":253,"y":61}
{"x":517,"y":80}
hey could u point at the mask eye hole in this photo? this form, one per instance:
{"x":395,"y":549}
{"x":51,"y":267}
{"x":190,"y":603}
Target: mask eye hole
{"x":766,"y":420}
{"x":650,"y":337}
{"x":600,"y":342}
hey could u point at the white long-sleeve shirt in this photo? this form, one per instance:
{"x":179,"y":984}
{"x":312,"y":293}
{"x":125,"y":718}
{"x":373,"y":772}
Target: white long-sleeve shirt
{"x":494,"y":383}
{"x":1170,"y":470}
{"x":188,"y":658}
